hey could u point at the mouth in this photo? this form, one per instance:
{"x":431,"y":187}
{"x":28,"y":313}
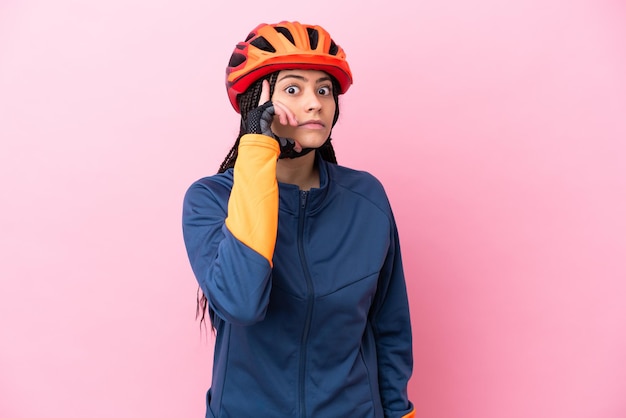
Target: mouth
{"x":312,"y":124}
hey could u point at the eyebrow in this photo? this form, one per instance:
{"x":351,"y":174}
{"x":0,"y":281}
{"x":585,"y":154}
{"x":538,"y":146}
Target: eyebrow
{"x":299,"y":77}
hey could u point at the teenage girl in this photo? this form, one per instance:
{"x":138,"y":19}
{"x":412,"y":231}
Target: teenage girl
{"x":297,"y":257}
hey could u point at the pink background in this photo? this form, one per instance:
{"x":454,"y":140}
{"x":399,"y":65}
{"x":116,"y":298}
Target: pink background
{"x":498,"y":129}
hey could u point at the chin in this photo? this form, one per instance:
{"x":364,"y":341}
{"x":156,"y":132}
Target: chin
{"x":311,"y":141}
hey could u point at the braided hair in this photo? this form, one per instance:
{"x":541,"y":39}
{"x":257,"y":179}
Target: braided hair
{"x":248,"y":101}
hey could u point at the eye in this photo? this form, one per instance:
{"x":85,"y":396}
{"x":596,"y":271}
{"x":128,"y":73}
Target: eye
{"x":292,"y":90}
{"x":324,"y":91}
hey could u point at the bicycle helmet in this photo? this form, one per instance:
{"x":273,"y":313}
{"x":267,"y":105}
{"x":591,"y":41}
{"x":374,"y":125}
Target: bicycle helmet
{"x":282,"y":46}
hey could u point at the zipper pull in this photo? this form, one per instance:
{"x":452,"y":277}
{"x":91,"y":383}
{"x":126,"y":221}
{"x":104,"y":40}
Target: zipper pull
{"x":303,"y":196}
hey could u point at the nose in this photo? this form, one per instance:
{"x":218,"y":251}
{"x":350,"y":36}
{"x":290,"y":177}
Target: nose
{"x":312,"y":102}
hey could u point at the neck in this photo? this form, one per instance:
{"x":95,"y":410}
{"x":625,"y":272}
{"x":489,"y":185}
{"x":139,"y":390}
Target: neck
{"x":300,"y":171}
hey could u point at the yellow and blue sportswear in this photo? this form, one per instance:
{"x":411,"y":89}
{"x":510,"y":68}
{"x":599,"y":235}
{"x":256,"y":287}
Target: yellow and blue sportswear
{"x":306,"y":291}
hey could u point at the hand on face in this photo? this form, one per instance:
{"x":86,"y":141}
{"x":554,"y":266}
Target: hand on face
{"x":281,"y":112}
{"x":299,"y":114}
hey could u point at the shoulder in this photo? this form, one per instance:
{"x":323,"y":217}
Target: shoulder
{"x":360,"y":183}
{"x":212,"y":188}
{"x":216,"y":181}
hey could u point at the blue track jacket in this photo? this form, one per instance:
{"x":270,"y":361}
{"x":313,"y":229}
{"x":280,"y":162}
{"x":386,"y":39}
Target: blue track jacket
{"x":323,"y":330}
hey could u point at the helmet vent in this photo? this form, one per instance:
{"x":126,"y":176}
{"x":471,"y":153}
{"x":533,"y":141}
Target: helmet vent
{"x":333,"y":48}
{"x":262,"y":44}
{"x":236,"y":60}
{"x":286,"y":33}
{"x":250,"y":36}
{"x":313,"y":37}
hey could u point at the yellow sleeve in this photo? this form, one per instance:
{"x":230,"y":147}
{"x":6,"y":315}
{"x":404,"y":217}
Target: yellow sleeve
{"x":253,"y":203}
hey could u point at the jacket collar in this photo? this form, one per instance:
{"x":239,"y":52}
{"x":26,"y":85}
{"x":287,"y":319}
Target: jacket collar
{"x":289,"y":194}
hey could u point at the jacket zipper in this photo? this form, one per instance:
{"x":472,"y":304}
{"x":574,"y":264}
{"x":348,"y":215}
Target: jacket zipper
{"x":309,"y":304}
